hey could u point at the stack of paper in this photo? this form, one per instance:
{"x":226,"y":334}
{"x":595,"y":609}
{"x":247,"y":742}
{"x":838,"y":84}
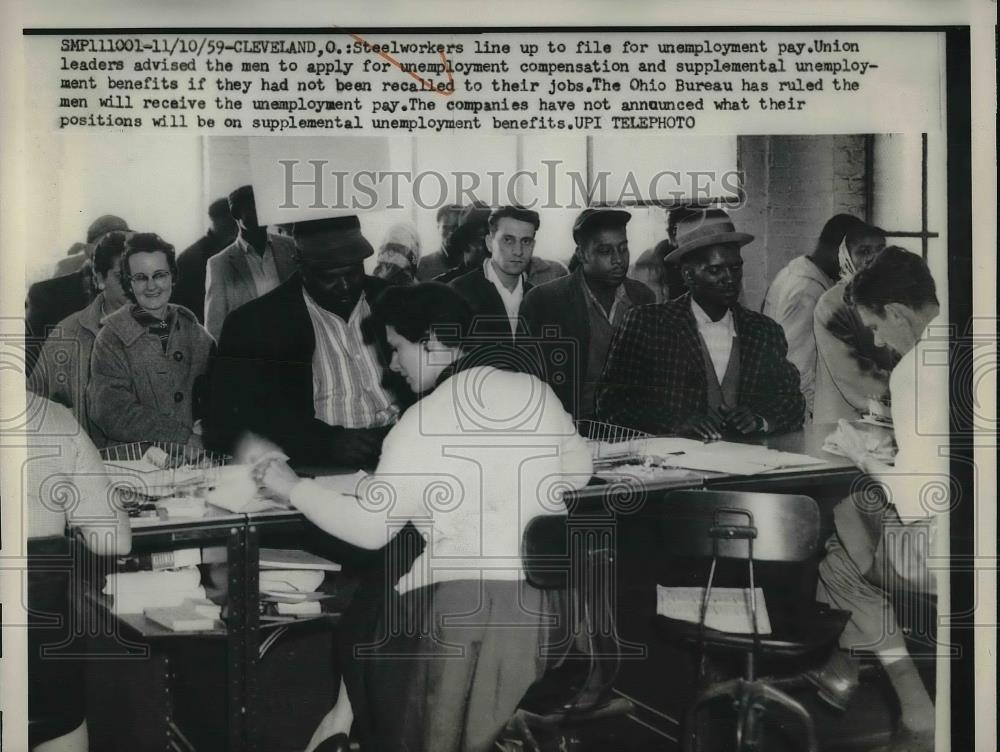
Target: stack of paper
{"x":192,"y":615}
{"x":721,"y":456}
{"x":134,"y":592}
{"x":289,"y":579}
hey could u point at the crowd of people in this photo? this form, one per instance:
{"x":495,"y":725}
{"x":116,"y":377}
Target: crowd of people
{"x":286,"y":339}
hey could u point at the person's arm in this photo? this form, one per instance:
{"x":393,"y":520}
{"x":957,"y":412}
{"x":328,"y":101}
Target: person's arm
{"x":778,"y":396}
{"x":636,"y":389}
{"x":113,"y":404}
{"x":215,"y":301}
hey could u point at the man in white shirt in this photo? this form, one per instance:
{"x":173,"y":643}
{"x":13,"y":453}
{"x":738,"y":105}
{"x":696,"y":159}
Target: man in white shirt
{"x":496,"y":290}
{"x":253,"y":265}
{"x":298,"y":365}
{"x":886,"y":550}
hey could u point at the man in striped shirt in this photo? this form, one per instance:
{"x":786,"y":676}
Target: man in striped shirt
{"x":297,"y":365}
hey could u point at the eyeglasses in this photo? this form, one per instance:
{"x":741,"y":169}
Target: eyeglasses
{"x":142,"y":279}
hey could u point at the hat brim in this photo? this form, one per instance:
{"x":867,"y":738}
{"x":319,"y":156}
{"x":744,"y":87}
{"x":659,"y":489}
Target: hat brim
{"x":740,"y":238}
{"x":611,"y":217}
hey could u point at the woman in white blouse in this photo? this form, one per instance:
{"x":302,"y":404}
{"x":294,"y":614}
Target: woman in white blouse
{"x":482,"y":453}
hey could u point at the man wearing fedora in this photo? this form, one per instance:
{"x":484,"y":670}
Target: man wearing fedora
{"x":297,"y":366}
{"x":254,"y":264}
{"x":584,"y":308}
{"x":702,"y":365}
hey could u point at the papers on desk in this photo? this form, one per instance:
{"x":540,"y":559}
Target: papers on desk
{"x":729,"y":609}
{"x":721,"y":456}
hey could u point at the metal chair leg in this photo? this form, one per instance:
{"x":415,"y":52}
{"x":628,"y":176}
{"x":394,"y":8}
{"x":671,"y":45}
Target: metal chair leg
{"x":751,"y":702}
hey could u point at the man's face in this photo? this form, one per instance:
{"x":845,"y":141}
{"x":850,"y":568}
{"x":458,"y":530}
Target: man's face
{"x":446,"y":226}
{"x":715,"y":275}
{"x":892,"y":329}
{"x":335,"y":288}
{"x":475,"y":251}
{"x":864,"y":249}
{"x":512,"y":245}
{"x":224,"y":227}
{"x":114,"y":291}
{"x":245,"y":214}
{"x":604,"y":256}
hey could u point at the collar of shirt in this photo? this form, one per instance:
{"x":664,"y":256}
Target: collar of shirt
{"x":704,"y":321}
{"x":244,"y":246}
{"x":315,"y":309}
{"x":621,"y":298}
{"x":511,"y":298}
{"x":717,"y":336}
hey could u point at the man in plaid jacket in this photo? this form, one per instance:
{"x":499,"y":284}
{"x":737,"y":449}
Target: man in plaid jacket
{"x":702,"y":365}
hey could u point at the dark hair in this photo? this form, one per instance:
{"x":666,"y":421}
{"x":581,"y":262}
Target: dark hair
{"x":219,"y":208}
{"x":862,"y":230}
{"x":107,"y":249}
{"x":514,"y":212}
{"x":893,"y":276}
{"x":145,"y":242}
{"x":447,"y":209}
{"x":836,"y":229}
{"x":420,"y":310}
{"x":238,"y":199}
{"x":676,"y":215}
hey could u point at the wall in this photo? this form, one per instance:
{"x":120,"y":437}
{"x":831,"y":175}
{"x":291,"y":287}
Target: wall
{"x":794,"y":184}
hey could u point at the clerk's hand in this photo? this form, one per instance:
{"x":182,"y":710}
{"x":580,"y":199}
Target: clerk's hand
{"x":742,"y":420}
{"x":252,"y":447}
{"x":707,"y":427}
{"x":851,"y":442}
{"x":276,"y":476}
{"x":357,"y":447}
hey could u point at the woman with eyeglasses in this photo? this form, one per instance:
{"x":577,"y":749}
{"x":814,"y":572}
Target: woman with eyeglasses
{"x":151,"y":357}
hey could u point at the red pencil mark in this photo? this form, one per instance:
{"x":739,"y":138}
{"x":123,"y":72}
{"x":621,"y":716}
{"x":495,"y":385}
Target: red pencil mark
{"x":428,"y":85}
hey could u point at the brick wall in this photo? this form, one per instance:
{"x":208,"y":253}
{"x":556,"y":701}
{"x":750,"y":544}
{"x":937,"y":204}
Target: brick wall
{"x":794,"y":184}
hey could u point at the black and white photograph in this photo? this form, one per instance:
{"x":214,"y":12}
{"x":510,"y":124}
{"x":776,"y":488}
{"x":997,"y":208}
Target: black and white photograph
{"x":476,"y":380}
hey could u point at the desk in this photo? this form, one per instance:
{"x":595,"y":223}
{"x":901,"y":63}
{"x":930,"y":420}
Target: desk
{"x":824,"y":481}
{"x":658,"y":677}
{"x":241,"y":535}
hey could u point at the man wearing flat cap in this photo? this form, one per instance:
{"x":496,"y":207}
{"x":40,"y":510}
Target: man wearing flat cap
{"x":296,"y":365}
{"x":72,"y":290}
{"x":254,"y":264}
{"x":702,"y":365}
{"x":581,"y":312}
{"x":496,"y":288}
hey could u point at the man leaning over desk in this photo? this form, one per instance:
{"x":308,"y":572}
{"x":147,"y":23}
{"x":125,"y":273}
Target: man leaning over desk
{"x":702,"y":365}
{"x":297,"y":366}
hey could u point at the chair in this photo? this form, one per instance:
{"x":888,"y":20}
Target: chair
{"x":565,"y":553}
{"x":781,"y":533}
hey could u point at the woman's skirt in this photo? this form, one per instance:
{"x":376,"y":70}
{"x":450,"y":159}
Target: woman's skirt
{"x":447,"y":664}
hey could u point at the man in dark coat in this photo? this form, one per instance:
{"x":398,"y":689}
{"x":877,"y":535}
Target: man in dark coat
{"x":578,"y":314}
{"x":702,"y":365}
{"x":448,"y":256}
{"x":496,"y":289}
{"x":193,"y":261}
{"x":326,"y":399}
